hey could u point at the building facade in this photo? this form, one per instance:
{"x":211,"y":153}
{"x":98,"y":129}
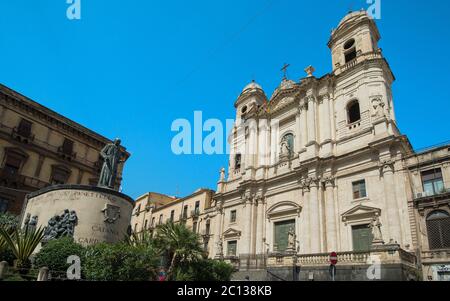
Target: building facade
{"x":195,"y":211}
{"x":40,"y":148}
{"x":429,"y":174}
{"x":321,"y":166}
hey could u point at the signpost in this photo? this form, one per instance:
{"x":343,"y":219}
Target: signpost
{"x":333,"y":261}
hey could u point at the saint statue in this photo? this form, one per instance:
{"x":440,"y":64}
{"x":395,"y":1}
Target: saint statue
{"x":112,"y":156}
{"x":376,"y":230}
{"x":291,"y":239}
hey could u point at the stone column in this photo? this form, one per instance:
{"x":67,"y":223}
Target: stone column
{"x":326,"y":123}
{"x":298,"y":129}
{"x":330,"y":216}
{"x":303,"y":125}
{"x":314,"y":217}
{"x":311,"y":119}
{"x":262,"y":143}
{"x":393,"y":214}
{"x":273,"y":142}
{"x":305,"y":237}
{"x":246,"y":242}
{"x":260,"y":248}
{"x":218,"y":229}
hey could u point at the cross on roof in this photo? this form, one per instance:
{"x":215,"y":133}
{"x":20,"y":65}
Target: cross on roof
{"x":284,"y":70}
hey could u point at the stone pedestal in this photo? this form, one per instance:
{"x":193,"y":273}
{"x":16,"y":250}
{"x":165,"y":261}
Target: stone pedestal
{"x":100,"y":214}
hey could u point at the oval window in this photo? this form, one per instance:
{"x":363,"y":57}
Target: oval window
{"x":349,"y":44}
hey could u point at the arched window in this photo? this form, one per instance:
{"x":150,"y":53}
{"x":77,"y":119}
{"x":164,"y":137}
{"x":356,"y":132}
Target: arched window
{"x":438,"y":227}
{"x":353,"y":112}
{"x":350,"y":50}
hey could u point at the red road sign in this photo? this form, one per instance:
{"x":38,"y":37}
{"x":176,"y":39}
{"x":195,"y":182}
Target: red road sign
{"x":333,"y":258}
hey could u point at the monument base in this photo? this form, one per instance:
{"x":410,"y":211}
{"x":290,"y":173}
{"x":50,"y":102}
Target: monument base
{"x":89,"y":214}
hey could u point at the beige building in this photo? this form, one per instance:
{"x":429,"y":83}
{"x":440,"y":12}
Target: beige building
{"x":429,"y":195}
{"x":321,"y":166}
{"x":39,"y":148}
{"x":153,"y":209}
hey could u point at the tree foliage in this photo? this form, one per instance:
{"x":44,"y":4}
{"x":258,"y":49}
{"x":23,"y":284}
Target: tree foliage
{"x":179,"y":244}
{"x":120,"y":262}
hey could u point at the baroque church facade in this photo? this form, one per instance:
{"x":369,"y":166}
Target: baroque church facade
{"x":319,"y":167}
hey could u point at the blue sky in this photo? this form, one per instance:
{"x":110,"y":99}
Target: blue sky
{"x":129,"y":68}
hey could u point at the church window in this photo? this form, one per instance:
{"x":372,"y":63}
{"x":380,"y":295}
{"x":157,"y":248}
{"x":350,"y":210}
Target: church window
{"x":281,"y":230}
{"x":237,"y":161}
{"x":244,"y":109}
{"x":172,"y":216}
{"x":350,"y":51}
{"x":233,"y":216}
{"x":362,"y":238}
{"x":349,"y":44}
{"x":353,"y":112}
{"x":438,"y":228}
{"x":232,"y":248}
{"x":146,"y":224}
{"x":359,"y":190}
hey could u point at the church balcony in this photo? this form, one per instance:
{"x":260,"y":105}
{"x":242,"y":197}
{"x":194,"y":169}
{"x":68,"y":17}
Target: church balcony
{"x":360,"y":58}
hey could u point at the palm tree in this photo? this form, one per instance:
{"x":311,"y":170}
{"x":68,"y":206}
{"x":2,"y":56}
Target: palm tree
{"x":22,"y":244}
{"x":180,"y":244}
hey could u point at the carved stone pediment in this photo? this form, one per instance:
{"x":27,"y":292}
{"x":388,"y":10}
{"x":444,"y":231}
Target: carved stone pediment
{"x":360,"y":212}
{"x":281,"y":209}
{"x":232,"y":233}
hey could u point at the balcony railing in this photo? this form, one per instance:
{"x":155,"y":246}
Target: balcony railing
{"x":428,"y":194}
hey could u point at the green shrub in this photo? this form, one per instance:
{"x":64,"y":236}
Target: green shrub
{"x":7,"y":255}
{"x":54,"y":254}
{"x":8,"y":220}
{"x":204,"y":270}
{"x":120,"y":262}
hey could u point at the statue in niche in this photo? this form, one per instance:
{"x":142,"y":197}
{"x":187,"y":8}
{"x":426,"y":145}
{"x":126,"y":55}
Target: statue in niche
{"x":287,"y":147}
{"x":112,"y":156}
{"x":291,"y":239}
{"x":375,"y":225}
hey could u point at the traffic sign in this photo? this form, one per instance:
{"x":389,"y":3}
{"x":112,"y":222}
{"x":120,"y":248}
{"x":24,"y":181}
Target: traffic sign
{"x":333,"y":258}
